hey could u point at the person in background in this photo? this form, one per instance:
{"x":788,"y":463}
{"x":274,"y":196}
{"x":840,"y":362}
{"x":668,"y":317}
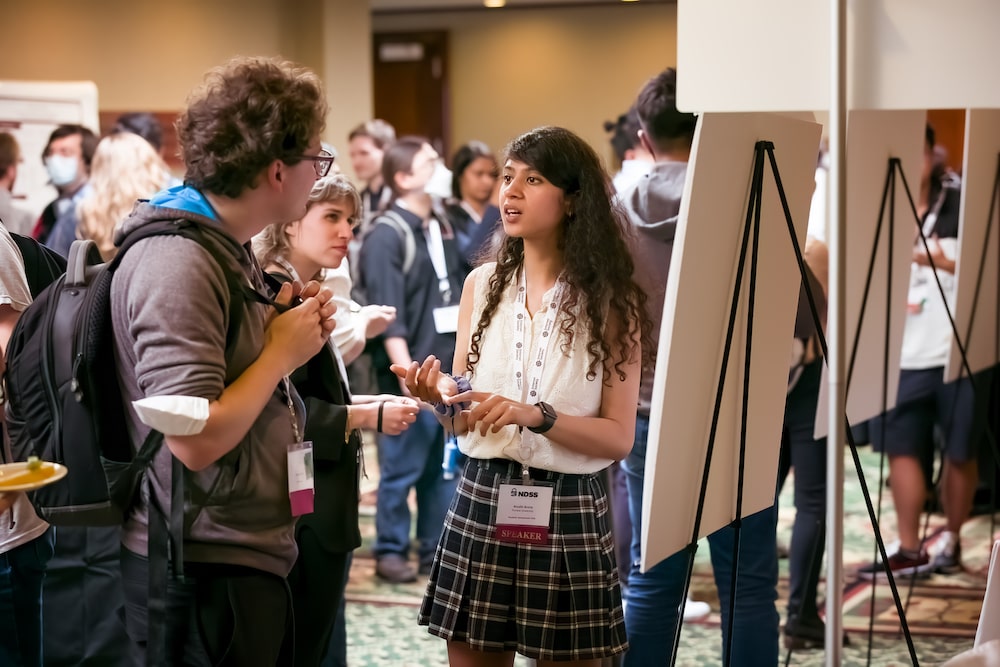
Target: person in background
{"x":657,"y":595}
{"x":425,"y":297}
{"x":25,"y":540}
{"x":125,"y":168}
{"x":804,"y":629}
{"x":634,"y":160}
{"x":15,"y":219}
{"x":147,"y":126}
{"x":472,"y":210}
{"x":925,"y":403}
{"x":366,"y":146}
{"x":295,"y":252}
{"x":67,"y":157}
{"x":540,"y":423}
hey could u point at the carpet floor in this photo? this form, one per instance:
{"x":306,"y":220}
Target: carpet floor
{"x":942,"y":612}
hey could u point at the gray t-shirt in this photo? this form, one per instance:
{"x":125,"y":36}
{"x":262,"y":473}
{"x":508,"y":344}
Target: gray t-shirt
{"x":24,"y":525}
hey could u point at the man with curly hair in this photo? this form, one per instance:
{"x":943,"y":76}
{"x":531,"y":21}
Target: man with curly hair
{"x":251,"y":145}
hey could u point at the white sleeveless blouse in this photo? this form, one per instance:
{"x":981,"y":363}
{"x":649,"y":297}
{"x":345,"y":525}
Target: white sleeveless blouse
{"x":564,"y":384}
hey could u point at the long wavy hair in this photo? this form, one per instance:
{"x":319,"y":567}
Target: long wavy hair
{"x":597,"y":264}
{"x":125,"y":168}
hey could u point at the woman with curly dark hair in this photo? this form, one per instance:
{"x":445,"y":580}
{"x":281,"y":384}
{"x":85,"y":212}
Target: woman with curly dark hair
{"x":549,"y":341}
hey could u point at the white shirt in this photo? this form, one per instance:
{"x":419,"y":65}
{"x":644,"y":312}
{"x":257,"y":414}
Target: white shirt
{"x":564,"y":384}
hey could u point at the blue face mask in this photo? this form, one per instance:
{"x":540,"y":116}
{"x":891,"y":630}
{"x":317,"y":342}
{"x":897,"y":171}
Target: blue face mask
{"x":62,"y":169}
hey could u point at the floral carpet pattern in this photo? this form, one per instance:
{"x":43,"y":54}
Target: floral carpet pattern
{"x":942,"y":612}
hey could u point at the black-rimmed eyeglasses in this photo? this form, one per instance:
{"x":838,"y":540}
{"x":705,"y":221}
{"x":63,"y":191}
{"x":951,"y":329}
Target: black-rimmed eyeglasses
{"x":322,"y":162}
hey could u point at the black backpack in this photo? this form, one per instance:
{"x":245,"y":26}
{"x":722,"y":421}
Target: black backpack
{"x":64,"y":402}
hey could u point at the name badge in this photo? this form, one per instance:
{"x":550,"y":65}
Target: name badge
{"x":301,"y":478}
{"x":446,"y":319}
{"x":523,"y":513}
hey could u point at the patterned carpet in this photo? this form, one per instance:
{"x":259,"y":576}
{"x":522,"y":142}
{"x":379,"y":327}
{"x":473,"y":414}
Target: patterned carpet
{"x":942,"y":612}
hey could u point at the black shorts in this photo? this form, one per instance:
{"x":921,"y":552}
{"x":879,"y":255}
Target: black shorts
{"x":558,"y":601}
{"x":925,"y":407}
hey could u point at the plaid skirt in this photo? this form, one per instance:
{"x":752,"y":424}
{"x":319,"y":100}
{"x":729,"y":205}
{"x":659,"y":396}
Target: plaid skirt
{"x":557,"y":601}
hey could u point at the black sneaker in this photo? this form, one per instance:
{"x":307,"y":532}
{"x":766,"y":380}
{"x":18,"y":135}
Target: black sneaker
{"x":902,"y":565}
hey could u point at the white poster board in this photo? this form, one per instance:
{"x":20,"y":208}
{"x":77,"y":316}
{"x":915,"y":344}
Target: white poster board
{"x":695,"y":319}
{"x":989,"y":619}
{"x":872,"y":138}
{"x":734,"y":55}
{"x":976,"y":305}
{"x":30,"y":110}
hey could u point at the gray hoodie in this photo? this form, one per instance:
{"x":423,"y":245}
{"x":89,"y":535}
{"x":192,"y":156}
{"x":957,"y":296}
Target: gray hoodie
{"x":653,"y":205}
{"x":170,"y":310}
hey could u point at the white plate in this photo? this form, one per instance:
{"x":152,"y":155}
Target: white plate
{"x":13,"y":476}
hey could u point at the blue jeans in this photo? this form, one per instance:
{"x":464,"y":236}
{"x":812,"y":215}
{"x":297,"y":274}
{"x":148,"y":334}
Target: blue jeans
{"x":22,"y":571}
{"x":409,"y":460}
{"x":656,"y":596}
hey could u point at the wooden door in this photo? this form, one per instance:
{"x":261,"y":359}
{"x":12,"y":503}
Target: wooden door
{"x":411,"y":84}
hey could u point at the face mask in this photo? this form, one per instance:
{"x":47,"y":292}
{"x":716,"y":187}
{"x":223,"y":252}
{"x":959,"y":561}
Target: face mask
{"x":439,"y":184}
{"x":62,"y":169}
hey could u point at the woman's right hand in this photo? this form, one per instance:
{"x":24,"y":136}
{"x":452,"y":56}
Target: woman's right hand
{"x":397,"y":415}
{"x":426,"y":381}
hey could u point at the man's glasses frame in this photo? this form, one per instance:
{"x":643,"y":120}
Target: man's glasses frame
{"x":321,"y":162}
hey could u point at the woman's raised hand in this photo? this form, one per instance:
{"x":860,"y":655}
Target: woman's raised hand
{"x":426,"y":381}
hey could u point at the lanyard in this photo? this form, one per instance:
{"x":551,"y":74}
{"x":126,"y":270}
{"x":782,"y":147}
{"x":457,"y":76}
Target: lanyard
{"x":522,"y":340}
{"x":435,"y":248}
{"x":291,"y":408}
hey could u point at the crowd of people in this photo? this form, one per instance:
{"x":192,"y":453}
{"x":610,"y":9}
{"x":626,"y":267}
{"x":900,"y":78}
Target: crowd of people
{"x":493,"y":324}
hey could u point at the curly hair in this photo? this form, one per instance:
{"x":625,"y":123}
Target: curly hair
{"x":273,"y":241}
{"x":597,"y":264}
{"x":125,"y":168}
{"x":248,"y":113}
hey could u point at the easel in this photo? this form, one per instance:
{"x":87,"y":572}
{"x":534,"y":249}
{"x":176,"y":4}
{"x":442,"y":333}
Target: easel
{"x":752,"y":223}
{"x":895,"y":170}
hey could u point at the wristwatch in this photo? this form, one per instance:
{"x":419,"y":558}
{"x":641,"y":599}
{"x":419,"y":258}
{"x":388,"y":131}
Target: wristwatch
{"x":548,"y":418}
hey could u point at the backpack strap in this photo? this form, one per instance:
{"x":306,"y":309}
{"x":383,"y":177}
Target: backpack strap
{"x":392,"y":219}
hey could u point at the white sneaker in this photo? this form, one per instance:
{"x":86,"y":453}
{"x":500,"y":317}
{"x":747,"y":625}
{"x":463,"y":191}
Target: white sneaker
{"x":695,"y":611}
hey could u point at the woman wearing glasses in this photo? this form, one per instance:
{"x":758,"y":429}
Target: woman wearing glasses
{"x":297,"y":252}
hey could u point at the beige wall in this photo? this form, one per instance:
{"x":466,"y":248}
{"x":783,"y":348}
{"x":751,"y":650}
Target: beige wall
{"x":510,"y":69}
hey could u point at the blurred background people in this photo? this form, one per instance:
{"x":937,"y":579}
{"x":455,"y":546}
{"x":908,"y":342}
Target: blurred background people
{"x":472,"y":209}
{"x":425,"y":294}
{"x":125,"y":168}
{"x":366,"y":146}
{"x":67,"y":157}
{"x":634,"y":160}
{"x":15,"y":219}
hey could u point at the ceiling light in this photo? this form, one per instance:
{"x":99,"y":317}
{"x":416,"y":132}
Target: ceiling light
{"x":494,"y":3}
